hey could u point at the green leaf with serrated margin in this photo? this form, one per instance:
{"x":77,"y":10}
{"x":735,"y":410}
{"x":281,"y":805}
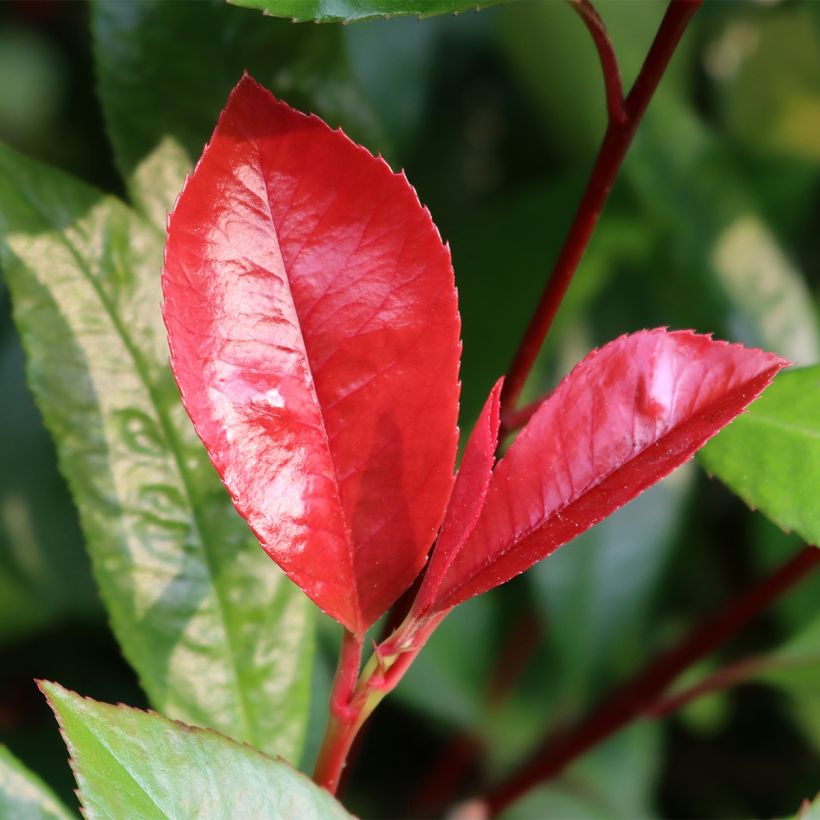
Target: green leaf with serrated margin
{"x":130,"y":763}
{"x":160,"y":106}
{"x":770,"y":456}
{"x":217,"y":634}
{"x":23,"y":796}
{"x":347,"y":11}
{"x":809,"y":810}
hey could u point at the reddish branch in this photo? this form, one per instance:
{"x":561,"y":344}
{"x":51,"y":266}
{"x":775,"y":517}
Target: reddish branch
{"x":354,"y":697}
{"x":729,"y":675}
{"x":619,"y":133}
{"x":343,"y":721}
{"x":609,"y":62}
{"x":631,"y":700}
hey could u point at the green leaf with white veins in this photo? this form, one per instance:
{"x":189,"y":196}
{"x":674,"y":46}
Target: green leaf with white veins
{"x":218,"y":636}
{"x":23,"y":796}
{"x":134,"y":764}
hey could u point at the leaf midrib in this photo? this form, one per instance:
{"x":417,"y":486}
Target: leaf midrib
{"x":127,"y":770}
{"x":173,"y":446}
{"x":337,"y":482}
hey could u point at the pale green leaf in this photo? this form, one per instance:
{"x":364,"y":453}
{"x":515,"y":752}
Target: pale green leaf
{"x":134,"y":764}
{"x":218,"y":636}
{"x":23,"y":796}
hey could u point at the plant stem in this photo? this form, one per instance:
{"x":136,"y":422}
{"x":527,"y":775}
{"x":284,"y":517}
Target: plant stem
{"x":342,"y":720}
{"x":354,"y":697}
{"x":630,"y":701}
{"x":617,"y":139}
{"x":606,"y":54}
{"x":725,"y":677}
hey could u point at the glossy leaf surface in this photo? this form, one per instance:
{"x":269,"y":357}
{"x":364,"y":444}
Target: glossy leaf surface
{"x":312,"y":318}
{"x":771,"y":456}
{"x":130,"y":763}
{"x":466,"y":501}
{"x":346,"y":11}
{"x":23,"y":796}
{"x":623,"y":419}
{"x":218,"y":637}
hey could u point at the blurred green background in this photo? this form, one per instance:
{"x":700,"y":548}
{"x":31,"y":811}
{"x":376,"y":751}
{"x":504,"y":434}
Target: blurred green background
{"x":495,"y":117}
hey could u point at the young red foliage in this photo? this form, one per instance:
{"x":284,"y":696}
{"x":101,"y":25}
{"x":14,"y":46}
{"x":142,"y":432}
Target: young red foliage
{"x":466,"y":502}
{"x":313,"y":327}
{"x":314,"y":334}
{"x":625,"y":417}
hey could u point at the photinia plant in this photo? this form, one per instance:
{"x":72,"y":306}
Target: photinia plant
{"x":313,"y":328}
{"x":310,"y":310}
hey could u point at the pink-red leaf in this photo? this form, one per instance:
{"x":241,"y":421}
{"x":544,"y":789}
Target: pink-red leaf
{"x":314,"y":334}
{"x":466,"y":502}
{"x":623,"y":419}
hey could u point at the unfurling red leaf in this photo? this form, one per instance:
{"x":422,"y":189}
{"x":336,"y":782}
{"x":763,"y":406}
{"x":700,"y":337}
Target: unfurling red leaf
{"x":312,"y":319}
{"x":623,"y":419}
{"x":469,"y":494}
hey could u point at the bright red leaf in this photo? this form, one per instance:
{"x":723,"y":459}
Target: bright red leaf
{"x":314,"y":334}
{"x":466,"y":502}
{"x":623,"y":419}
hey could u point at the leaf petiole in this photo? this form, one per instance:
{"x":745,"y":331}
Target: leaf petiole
{"x":354,"y":696}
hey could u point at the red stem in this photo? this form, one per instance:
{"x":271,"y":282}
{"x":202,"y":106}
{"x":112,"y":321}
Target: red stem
{"x":354,"y":696}
{"x":606,"y":54}
{"x":630,"y":701}
{"x":618,"y":137}
{"x":343,"y":720}
{"x":729,"y":675}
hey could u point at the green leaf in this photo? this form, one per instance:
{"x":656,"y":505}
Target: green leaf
{"x":770,"y":456}
{"x":809,"y":810}
{"x":160,"y":107}
{"x":130,"y":763}
{"x":218,"y":636}
{"x":347,"y":11}
{"x":23,"y":796}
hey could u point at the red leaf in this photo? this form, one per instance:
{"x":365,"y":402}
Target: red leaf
{"x":314,"y":334}
{"x":622,"y":420}
{"x":466,"y":502}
